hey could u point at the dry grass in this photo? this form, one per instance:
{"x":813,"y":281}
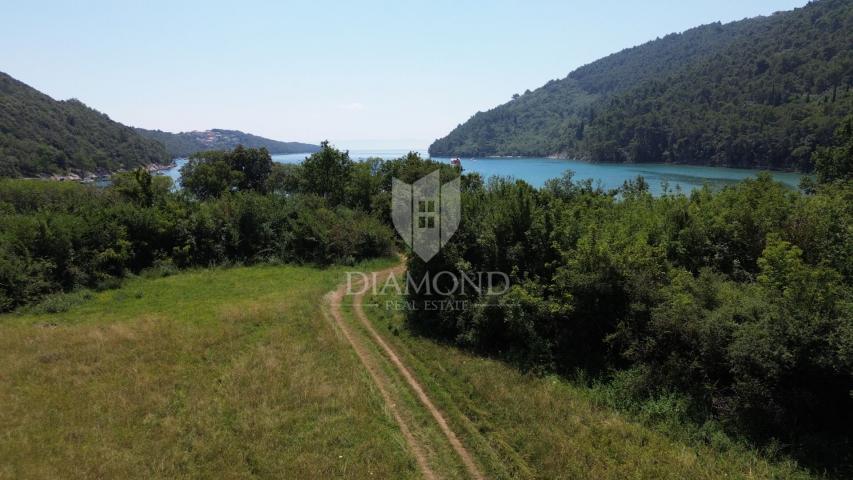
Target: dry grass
{"x":212,"y":374}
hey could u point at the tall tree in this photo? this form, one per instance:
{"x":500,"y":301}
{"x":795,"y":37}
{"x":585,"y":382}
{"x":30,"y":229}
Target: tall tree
{"x":212,"y":174}
{"x":835,"y":163}
{"x":327,"y":172}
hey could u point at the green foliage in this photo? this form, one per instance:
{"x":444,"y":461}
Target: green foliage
{"x":365,"y":186}
{"x":141,"y":187}
{"x":254,"y":166}
{"x":42,"y":136}
{"x":521,"y":425}
{"x":835,"y":163}
{"x":730,"y":307}
{"x":209,"y":176}
{"x":733,"y":307}
{"x":764,"y":92}
{"x":326,"y":173}
{"x":57,"y":237}
{"x":235,"y":207}
{"x":534,"y":124}
{"x":39,"y":135}
{"x":284,"y":178}
{"x":213,"y":174}
{"x":60,"y":302}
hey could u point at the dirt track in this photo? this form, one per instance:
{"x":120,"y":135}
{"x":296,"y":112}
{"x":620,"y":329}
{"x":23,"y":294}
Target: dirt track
{"x":335,"y":299}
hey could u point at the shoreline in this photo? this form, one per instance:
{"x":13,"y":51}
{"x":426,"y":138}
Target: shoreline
{"x":90,"y":177}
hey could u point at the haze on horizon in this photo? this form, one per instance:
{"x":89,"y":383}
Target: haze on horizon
{"x":380,"y":74}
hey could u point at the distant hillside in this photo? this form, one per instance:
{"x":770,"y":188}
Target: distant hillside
{"x":40,"y":135}
{"x":186,"y":143}
{"x":762,"y":92}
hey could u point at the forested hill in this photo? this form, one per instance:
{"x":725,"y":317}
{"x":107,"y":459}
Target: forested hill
{"x":40,"y":135}
{"x":762,"y":92}
{"x":186,"y":143}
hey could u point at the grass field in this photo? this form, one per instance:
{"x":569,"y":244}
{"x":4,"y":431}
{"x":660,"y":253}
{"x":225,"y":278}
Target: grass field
{"x":238,"y":373}
{"x":211,"y":374}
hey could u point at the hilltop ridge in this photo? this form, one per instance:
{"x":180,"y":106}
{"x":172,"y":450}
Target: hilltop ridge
{"x":762,"y":92}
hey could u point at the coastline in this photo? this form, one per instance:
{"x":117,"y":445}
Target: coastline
{"x":91,"y":177}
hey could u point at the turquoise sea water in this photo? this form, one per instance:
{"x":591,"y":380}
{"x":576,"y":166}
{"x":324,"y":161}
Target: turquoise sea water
{"x":537,"y":170}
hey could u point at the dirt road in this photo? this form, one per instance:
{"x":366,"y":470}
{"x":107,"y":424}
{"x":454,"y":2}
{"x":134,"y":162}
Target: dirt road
{"x":358,"y":342}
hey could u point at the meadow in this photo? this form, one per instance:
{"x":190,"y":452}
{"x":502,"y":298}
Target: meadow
{"x":220,"y":373}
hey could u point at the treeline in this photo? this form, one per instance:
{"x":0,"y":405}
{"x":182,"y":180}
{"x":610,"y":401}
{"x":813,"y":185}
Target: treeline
{"x":738,"y":303}
{"x":762,"y":92}
{"x":236,"y":207}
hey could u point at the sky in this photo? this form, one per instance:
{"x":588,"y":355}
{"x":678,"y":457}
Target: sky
{"x":363,"y":74}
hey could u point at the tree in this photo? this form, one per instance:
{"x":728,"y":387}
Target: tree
{"x":835,"y":163}
{"x":364,"y":184}
{"x":255,"y":165}
{"x":209,"y":175}
{"x":327,"y":173}
{"x":141,"y":187}
{"x":212,"y":174}
{"x":285,"y":178}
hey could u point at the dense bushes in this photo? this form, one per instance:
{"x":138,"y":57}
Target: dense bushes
{"x":234,"y":207}
{"x":740,"y":300}
{"x":61,"y":236}
{"x":105,"y":236}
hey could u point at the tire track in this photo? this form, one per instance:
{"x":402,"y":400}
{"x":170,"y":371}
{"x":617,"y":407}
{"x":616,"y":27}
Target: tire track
{"x":333,"y":299}
{"x":453,"y":440}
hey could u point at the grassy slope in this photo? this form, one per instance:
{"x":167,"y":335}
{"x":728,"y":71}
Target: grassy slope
{"x":220,"y":373}
{"x":524,"y":426}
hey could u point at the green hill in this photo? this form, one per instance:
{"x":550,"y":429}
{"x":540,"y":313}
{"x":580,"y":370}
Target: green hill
{"x":761,"y":92}
{"x":40,"y":135}
{"x":186,"y":143}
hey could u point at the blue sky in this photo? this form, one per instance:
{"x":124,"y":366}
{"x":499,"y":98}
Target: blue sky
{"x":374,"y":74}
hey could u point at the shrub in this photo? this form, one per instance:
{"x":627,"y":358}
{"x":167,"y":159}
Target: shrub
{"x":60,"y":302}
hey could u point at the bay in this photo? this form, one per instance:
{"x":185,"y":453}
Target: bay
{"x":537,"y":171}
